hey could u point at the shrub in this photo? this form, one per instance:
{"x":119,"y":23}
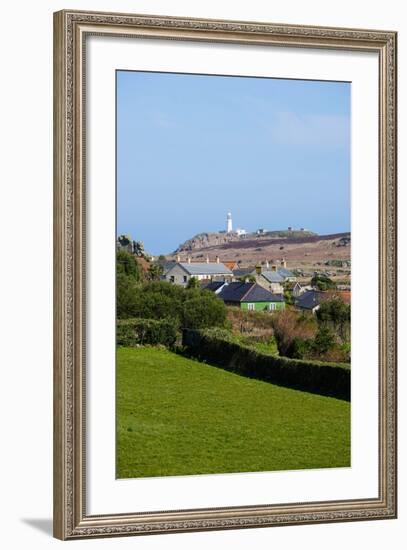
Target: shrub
{"x":127,"y":290}
{"x":300,"y":348}
{"x":322,"y":282}
{"x":290,"y":325}
{"x":190,"y":308}
{"x":204,"y":310}
{"x":251,"y":323}
{"x":131,"y":332}
{"x":335,"y":313}
{"x":193,"y":283}
{"x":324,"y":341}
{"x":154,"y":300}
{"x":126,"y":264}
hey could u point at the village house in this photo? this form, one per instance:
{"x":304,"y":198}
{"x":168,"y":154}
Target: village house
{"x":213,"y":286}
{"x":272,"y":281}
{"x":250,"y":297}
{"x":299,"y":289}
{"x":309,"y":300}
{"x":242,"y":272}
{"x":181,"y":272}
{"x":287,"y":274}
{"x":271,"y":277}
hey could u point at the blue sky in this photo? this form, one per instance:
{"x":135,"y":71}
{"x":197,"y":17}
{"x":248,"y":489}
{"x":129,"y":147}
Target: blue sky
{"x":190,"y":148}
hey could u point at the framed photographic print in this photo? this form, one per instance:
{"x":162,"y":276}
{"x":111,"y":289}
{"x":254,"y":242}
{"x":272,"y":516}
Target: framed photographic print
{"x":225,"y":274}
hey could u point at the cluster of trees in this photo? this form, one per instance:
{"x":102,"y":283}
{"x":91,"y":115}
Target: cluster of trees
{"x":153,"y":299}
{"x":324,"y":336}
{"x":322,"y":282}
{"x":334,"y":314}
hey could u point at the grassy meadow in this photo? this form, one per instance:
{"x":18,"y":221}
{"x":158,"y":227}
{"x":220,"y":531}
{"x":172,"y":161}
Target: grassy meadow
{"x":177,"y":416}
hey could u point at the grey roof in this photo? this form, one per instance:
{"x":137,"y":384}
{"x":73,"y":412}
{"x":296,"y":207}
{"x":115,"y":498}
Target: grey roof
{"x":204,"y":268}
{"x":247,"y":292}
{"x":309,"y":300}
{"x":213,"y":286}
{"x":166,"y":265}
{"x":285,"y":272}
{"x":273,"y":276}
{"x":259,"y":294}
{"x":243,"y":271}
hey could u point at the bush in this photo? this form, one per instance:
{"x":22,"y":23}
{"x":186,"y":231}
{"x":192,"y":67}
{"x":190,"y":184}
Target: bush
{"x":251,"y":323}
{"x":330,"y":379}
{"x":291,"y":325}
{"x":324,"y":341}
{"x":300,"y":349}
{"x":335,"y":314}
{"x":191,"y":308}
{"x":322,"y":282}
{"x":203,"y":311}
{"x":154,"y":300}
{"x":132,"y":332}
{"x":127,"y":290}
{"x":126,"y":264}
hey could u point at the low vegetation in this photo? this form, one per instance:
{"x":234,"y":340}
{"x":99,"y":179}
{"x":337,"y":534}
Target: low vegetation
{"x":140,"y":332}
{"x":176,"y":416}
{"x":322,"y":282}
{"x":187,"y":307}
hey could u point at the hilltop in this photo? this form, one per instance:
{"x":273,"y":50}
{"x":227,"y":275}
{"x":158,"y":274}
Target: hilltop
{"x":205,"y":240}
{"x":302,"y":250}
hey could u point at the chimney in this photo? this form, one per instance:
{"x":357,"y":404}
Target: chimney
{"x":273,"y":268}
{"x":207,"y":259}
{"x":217,"y":259}
{"x":258,"y":269}
{"x":267,"y":264}
{"x":189,"y":259}
{"x":178,"y":258}
{"x":283,"y":263}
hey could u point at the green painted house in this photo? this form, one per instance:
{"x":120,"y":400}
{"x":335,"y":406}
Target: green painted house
{"x":250,"y":297}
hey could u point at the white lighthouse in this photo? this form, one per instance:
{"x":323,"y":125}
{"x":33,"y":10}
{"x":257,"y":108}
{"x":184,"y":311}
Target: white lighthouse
{"x":229,"y":227}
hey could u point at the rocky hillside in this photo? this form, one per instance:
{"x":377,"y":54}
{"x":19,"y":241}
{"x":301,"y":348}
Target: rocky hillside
{"x":205,"y":240}
{"x":306,"y":252}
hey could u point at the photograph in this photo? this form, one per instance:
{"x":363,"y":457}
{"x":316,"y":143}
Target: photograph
{"x":225,"y":297}
{"x":233,"y":274}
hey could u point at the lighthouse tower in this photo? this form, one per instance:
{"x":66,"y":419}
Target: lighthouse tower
{"x":229,"y":227}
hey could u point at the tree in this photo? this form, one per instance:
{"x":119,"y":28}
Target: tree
{"x":193,"y":283}
{"x":203,"y":311}
{"x":127,"y":265}
{"x":335,"y":313}
{"x":324,"y":341}
{"x":126,"y":296}
{"x":322,"y":282}
{"x":155,"y":272}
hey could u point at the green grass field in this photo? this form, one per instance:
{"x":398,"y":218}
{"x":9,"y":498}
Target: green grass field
{"x":176,"y":416}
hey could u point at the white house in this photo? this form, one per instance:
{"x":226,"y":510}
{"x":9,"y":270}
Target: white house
{"x":182,"y":272}
{"x":272,"y":281}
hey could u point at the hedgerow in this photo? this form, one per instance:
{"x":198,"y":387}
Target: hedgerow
{"x":132,"y":332}
{"x":331,"y":379}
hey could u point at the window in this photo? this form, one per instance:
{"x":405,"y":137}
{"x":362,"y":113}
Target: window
{"x":272,"y":307}
{"x":250,"y":307}
{"x":185,"y":278}
{"x":172,"y":279}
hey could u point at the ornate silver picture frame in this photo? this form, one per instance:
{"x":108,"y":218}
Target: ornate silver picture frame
{"x":72,"y":29}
